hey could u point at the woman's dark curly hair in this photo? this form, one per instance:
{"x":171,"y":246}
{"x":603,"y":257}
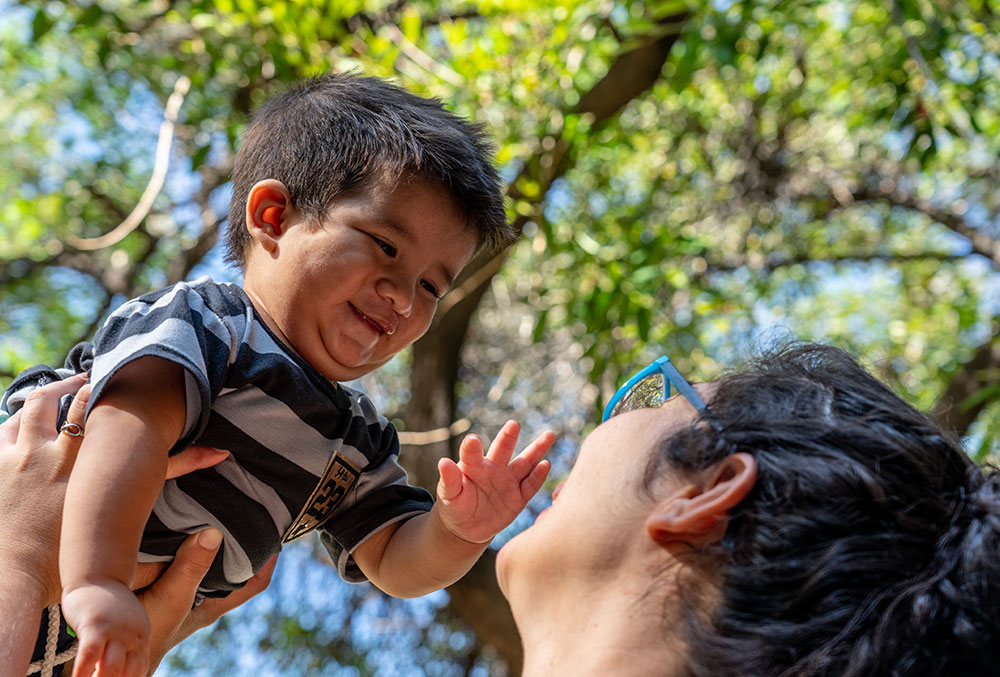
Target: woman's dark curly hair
{"x":870,"y":544}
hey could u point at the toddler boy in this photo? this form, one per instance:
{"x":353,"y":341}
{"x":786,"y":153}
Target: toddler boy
{"x":355,"y":207}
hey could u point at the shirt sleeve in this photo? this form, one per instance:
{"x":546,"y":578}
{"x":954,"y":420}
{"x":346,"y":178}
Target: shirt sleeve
{"x":175,"y":324}
{"x":381,"y":495}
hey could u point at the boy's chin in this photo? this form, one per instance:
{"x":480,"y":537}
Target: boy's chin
{"x":349,"y":370}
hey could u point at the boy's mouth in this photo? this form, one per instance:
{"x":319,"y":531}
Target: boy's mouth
{"x":378,"y":325}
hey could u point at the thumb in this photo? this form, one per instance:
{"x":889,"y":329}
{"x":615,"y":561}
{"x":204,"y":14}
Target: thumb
{"x":175,"y":589}
{"x":195,"y":556}
{"x":169,"y":600}
{"x":450,"y":482}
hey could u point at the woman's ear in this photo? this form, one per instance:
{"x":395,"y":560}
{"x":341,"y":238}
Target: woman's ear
{"x":699,"y":514}
{"x":269,"y":208}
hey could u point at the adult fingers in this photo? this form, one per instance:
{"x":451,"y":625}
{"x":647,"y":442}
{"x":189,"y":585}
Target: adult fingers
{"x":41,"y":408}
{"x":194,"y":458}
{"x":175,"y":589}
{"x":168,"y":601}
{"x":211,"y":610}
{"x":77,"y":412}
{"x":9,"y":428}
{"x":78,"y":409}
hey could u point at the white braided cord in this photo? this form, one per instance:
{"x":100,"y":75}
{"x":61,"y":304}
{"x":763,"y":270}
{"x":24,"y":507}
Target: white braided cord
{"x":51,"y":659}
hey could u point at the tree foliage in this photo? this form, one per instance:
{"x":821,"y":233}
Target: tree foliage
{"x":689,"y":179}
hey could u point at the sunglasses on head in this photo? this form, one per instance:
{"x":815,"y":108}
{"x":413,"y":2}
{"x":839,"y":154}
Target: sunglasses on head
{"x":650,"y":387}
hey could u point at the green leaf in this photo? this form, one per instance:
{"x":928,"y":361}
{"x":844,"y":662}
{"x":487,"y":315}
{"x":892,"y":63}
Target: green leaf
{"x":40,"y":25}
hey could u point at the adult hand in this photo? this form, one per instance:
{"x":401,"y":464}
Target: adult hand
{"x":35,"y":462}
{"x":194,"y":458}
{"x":169,"y":600}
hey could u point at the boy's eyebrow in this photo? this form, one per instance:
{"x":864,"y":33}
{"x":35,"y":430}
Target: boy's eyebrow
{"x":393,"y":226}
{"x":449,"y":279}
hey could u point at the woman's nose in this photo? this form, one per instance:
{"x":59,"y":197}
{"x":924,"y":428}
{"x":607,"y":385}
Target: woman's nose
{"x":555,"y":492}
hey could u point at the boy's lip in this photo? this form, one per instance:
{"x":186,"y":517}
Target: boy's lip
{"x":381,"y":325}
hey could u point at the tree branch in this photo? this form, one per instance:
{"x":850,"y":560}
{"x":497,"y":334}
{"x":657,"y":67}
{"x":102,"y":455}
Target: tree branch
{"x":156,"y":180}
{"x":768,"y":264}
{"x":954,"y":220}
{"x":476,"y":598}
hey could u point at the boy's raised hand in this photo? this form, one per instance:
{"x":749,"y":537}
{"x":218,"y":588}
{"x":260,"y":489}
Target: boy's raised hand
{"x":480,"y":495}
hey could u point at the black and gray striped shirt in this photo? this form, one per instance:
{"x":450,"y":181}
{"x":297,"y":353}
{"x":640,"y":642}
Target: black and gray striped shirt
{"x":306,"y":453}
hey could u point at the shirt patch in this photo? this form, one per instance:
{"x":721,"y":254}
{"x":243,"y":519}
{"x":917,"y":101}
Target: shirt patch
{"x":338,"y":478}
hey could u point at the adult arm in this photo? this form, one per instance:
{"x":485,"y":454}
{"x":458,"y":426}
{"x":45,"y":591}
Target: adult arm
{"x":35,"y":461}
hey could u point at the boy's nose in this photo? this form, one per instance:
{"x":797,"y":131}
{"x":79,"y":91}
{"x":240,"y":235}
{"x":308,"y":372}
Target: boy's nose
{"x":399,"y":294}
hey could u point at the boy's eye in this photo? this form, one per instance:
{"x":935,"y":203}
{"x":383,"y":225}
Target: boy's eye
{"x":385,"y":246}
{"x":429,"y":286}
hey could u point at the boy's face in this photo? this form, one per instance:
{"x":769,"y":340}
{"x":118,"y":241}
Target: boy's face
{"x":350,"y":294}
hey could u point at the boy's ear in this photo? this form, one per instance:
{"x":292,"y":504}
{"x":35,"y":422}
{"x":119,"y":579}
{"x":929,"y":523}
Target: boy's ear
{"x":269,"y":208}
{"x":700,"y":514}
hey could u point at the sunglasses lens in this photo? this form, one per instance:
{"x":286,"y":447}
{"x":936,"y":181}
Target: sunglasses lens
{"x":649,"y":392}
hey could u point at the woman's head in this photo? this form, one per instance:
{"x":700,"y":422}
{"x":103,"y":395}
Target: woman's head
{"x":869,"y":543}
{"x":853,"y":535}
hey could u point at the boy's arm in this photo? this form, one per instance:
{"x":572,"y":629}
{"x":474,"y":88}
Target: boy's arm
{"x":111,"y":492}
{"x":477,"y":497}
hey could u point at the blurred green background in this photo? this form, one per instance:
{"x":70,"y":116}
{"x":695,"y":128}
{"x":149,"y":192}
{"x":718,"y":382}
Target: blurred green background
{"x":695,"y":179}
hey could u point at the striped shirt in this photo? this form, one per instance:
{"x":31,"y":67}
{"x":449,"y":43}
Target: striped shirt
{"x":306,"y":453}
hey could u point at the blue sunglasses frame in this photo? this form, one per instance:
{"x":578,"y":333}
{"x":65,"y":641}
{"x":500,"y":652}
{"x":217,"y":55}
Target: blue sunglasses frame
{"x":661,"y":365}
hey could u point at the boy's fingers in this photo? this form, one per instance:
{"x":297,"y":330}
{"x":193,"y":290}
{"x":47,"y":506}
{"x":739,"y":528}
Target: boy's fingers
{"x":503,"y":446}
{"x":450,"y":484}
{"x":532,"y":454}
{"x":470,"y":451}
{"x":113,"y":660}
{"x":194,"y":458}
{"x":539,"y":447}
{"x":534,"y":481}
{"x":86,"y":659}
{"x":136,"y":665}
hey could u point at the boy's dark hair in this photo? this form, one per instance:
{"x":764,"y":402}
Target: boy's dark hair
{"x":870,"y":543}
{"x":339,"y":133}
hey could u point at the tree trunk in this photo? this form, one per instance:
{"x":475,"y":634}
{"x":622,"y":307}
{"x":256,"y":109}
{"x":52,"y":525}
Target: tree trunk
{"x":980,"y":372}
{"x":476,"y":599}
